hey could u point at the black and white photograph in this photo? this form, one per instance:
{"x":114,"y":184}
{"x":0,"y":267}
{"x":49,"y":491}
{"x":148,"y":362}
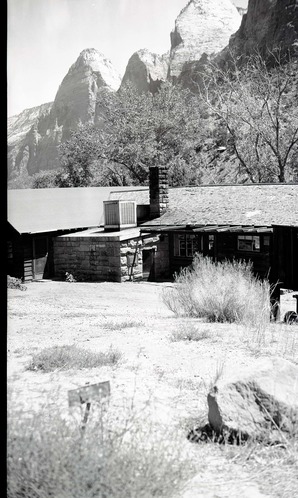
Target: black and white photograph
{"x":152,"y":249}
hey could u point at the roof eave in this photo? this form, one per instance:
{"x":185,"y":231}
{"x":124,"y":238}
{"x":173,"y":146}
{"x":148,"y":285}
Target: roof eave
{"x":210,"y":228}
{"x":49,"y":230}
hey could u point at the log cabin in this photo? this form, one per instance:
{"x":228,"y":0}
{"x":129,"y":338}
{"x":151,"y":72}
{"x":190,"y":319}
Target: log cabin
{"x":150,"y":233}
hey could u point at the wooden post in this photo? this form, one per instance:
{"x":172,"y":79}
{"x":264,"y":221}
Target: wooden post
{"x":86,"y":394}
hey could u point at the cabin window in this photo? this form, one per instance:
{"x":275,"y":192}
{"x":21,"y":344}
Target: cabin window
{"x":187,"y":244}
{"x":249,"y":243}
{"x":266,"y":240}
{"x":210,"y":242}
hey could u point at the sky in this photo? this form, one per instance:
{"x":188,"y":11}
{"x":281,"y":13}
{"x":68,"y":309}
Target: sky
{"x":45,"y":37}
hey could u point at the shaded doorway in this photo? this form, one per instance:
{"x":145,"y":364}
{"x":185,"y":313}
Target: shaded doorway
{"x":40,"y":255}
{"x":148,"y":264}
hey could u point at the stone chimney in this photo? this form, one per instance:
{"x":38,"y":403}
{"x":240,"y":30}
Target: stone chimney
{"x":159,"y":191}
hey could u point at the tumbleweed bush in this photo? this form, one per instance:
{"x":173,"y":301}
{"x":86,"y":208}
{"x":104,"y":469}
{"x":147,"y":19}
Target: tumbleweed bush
{"x":224,"y":291}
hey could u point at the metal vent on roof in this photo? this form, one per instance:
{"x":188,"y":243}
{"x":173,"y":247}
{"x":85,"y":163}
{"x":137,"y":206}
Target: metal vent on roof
{"x":120,"y":214}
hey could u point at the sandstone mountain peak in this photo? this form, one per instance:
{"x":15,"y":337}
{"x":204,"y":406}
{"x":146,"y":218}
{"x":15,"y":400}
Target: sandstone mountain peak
{"x":90,"y":54}
{"x":202,"y":27}
{"x":146,"y":70}
{"x":35,"y":135}
{"x":97,"y":62}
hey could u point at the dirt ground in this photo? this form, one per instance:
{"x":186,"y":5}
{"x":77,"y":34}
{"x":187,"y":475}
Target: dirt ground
{"x":173,"y":377}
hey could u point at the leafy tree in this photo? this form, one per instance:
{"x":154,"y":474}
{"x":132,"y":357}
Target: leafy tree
{"x":136,"y":131}
{"x":77,"y":156}
{"x":84,"y":163}
{"x":255,"y":108}
{"x":45,"y":179}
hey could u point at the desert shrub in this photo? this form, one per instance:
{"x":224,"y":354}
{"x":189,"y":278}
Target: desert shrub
{"x":189,"y":332}
{"x":70,"y":356}
{"x":15,"y":283}
{"x":219,"y":292}
{"x":48,"y":456}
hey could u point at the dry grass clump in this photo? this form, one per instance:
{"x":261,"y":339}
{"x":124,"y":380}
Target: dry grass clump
{"x":122,"y":325}
{"x":278,"y":340}
{"x":51,"y":457}
{"x":219,"y":292}
{"x":70,"y":356}
{"x":274,"y":468}
{"x":189,"y":332}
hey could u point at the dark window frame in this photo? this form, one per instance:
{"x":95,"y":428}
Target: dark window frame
{"x":186,"y":245}
{"x":264,"y":243}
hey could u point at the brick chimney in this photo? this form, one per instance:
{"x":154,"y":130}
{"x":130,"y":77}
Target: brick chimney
{"x":159,"y":191}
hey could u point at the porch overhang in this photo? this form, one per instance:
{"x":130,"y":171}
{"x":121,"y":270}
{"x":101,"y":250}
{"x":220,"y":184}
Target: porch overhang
{"x":209,"y":229}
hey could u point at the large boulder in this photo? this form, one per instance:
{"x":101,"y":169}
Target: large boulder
{"x":260,"y":404}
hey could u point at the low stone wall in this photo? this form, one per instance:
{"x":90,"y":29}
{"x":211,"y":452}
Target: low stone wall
{"x":101,"y":259}
{"x":87,"y":258}
{"x":130,"y":252}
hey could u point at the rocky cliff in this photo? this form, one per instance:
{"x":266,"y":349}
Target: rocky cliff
{"x":20,"y":131}
{"x":146,"y":70}
{"x":266,"y":25}
{"x":203,"y":27}
{"x":33,"y":135}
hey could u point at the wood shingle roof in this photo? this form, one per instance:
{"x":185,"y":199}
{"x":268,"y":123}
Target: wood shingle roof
{"x":248,"y":205}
